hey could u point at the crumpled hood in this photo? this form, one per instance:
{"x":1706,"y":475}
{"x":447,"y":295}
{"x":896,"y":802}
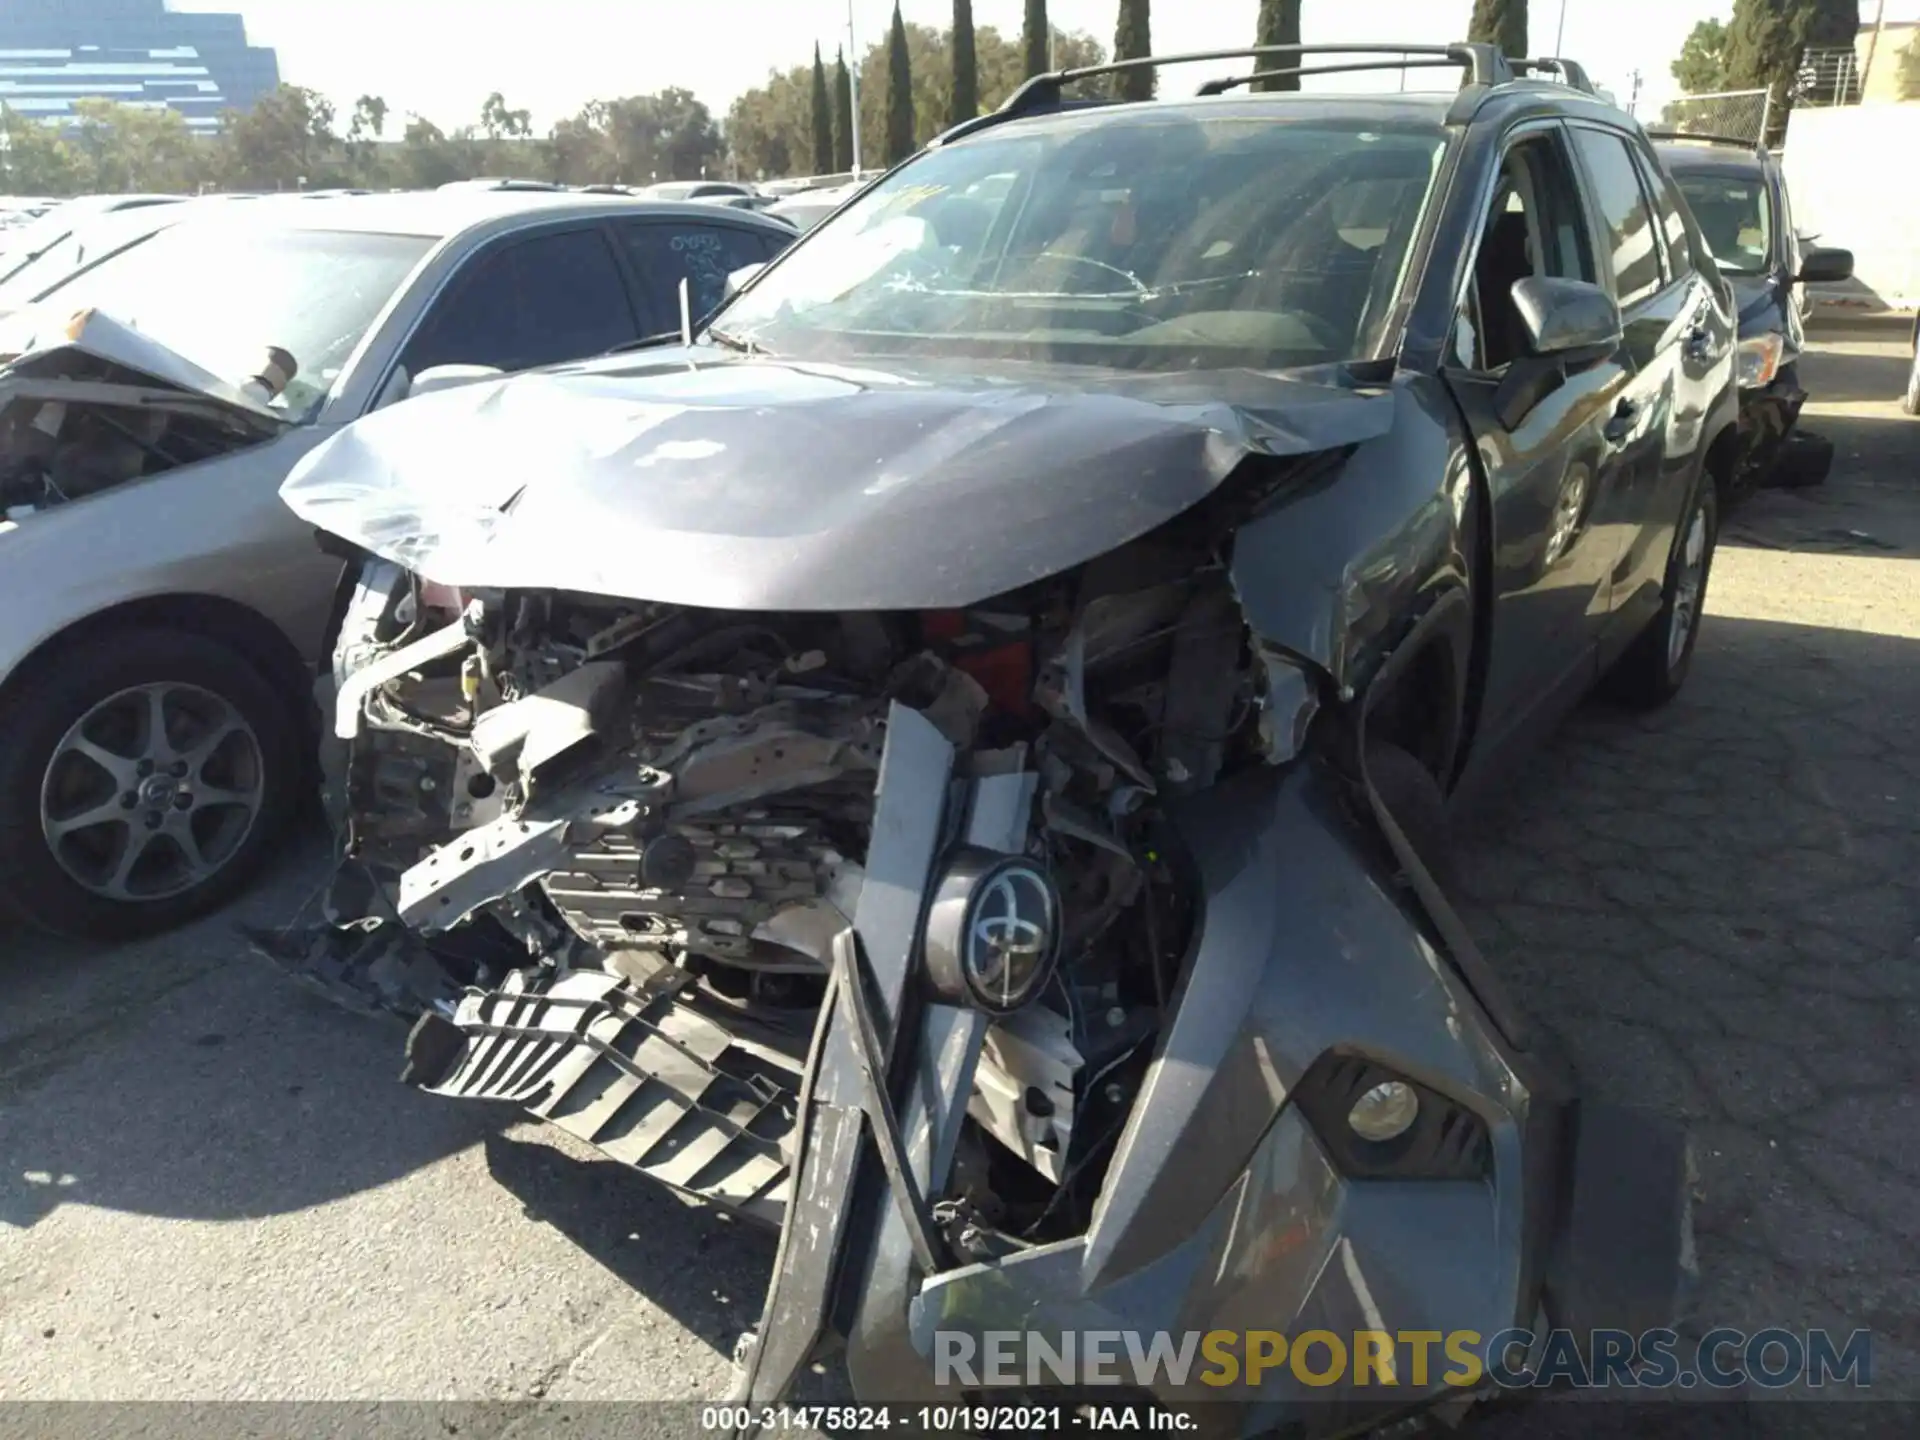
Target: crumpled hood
{"x":42,"y":339}
{"x":756,"y":484}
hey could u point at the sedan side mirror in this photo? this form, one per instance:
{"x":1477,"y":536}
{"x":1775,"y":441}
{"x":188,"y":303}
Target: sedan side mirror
{"x":1825,"y":266}
{"x":741,"y":278}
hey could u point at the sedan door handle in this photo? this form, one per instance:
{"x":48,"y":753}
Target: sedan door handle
{"x":1620,"y":426}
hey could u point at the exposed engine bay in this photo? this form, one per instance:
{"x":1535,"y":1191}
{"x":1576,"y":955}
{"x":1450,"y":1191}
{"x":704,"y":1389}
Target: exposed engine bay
{"x":104,"y":405}
{"x":665,"y":813}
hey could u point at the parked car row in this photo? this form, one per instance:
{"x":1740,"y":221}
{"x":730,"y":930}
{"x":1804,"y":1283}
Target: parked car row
{"x":937,"y":733}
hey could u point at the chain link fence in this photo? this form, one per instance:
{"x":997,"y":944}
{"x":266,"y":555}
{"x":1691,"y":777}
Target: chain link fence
{"x":1728,"y":114}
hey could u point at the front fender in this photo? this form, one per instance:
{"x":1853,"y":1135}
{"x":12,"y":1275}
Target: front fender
{"x":1232,"y":1204}
{"x":1332,"y":572}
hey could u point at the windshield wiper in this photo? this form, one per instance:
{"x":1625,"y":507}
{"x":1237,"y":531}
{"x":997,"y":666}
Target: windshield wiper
{"x":667,"y":337}
{"x":745,"y":344}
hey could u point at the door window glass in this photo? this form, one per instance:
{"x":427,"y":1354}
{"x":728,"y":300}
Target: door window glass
{"x":668,"y":251}
{"x":1633,"y":257}
{"x":537,"y":301}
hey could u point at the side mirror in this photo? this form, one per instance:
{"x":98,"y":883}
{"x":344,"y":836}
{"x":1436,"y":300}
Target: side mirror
{"x":1571,"y":321}
{"x":1570,"y":324}
{"x":1825,"y":267}
{"x":446,"y":377}
{"x":741,"y":278}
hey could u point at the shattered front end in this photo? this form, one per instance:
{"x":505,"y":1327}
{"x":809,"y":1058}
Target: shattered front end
{"x":1033,"y":967}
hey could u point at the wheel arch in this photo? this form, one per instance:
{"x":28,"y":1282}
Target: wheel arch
{"x":251,"y":635}
{"x":1418,"y":698}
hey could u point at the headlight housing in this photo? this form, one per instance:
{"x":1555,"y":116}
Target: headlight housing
{"x":1760,"y":360}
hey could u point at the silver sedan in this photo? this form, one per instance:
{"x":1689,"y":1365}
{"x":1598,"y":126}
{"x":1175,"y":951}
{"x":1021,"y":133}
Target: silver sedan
{"x":163,"y":610}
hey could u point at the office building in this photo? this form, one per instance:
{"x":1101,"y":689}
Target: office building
{"x":135,"y":52}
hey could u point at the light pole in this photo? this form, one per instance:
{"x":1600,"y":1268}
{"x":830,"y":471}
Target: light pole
{"x":853,"y":87}
{"x":1560,"y":35}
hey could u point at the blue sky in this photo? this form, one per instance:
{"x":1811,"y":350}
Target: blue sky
{"x":440,"y":58}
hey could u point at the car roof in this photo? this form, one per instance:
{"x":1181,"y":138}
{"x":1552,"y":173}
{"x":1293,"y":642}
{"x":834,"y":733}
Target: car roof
{"x":1711,"y":155}
{"x":438,"y":214}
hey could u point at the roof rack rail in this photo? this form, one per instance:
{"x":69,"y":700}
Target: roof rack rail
{"x":1484,"y":65}
{"x":1740,"y":141}
{"x":1572,"y":75}
{"x":1234,"y":82}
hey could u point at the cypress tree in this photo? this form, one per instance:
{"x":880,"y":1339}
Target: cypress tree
{"x":1036,"y":39}
{"x":966,"y":68}
{"x":822,"y":119}
{"x":1279,"y":24}
{"x":1502,"y":23}
{"x":899,"y":92}
{"x":842,"y":114}
{"x":1133,"y":40}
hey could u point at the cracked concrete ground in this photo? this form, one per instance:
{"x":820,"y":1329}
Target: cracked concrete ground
{"x":211,"y":1187}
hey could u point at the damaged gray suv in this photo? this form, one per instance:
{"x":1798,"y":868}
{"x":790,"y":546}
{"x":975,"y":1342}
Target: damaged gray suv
{"x":953,"y":763}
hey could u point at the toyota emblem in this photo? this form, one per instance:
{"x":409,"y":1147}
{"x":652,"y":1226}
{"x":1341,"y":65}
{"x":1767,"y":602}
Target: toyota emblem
{"x":992,"y":932}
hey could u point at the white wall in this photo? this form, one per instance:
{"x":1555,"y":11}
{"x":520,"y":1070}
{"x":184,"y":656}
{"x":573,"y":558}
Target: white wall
{"x":1853,"y":177}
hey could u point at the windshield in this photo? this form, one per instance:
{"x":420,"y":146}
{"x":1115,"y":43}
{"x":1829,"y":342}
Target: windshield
{"x":1127,"y":241}
{"x":1735,"y":216}
{"x":221,"y":294}
{"x":86,"y":244}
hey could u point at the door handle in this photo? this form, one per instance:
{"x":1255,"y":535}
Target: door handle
{"x":1621,"y":425}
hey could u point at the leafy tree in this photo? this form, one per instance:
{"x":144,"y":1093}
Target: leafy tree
{"x":285,"y":141}
{"x":1701,"y":67}
{"x":1035,"y":38}
{"x":899,"y":92}
{"x":1502,"y":23}
{"x":1766,"y":41}
{"x":1133,"y":40}
{"x":843,"y":116}
{"x":500,"y":123}
{"x":1279,"y":24}
{"x":1909,"y":72}
{"x":821,"y":105}
{"x":369,"y":117}
{"x":35,"y":160}
{"x":965,"y":91}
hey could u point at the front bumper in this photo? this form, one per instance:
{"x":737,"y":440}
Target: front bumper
{"x":1768,"y":416}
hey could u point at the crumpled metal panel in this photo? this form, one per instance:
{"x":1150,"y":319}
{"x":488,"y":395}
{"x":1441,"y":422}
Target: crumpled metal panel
{"x":766,"y":485}
{"x":636,"y":1074}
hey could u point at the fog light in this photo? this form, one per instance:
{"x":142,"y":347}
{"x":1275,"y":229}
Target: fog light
{"x":1386,"y":1112}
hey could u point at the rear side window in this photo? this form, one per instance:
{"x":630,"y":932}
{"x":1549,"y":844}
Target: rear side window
{"x":667,"y":251}
{"x":1626,"y":220}
{"x":537,"y":301}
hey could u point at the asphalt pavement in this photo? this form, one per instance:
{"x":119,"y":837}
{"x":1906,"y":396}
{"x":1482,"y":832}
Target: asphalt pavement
{"x":213,"y":1187}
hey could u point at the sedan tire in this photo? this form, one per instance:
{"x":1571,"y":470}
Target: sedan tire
{"x":1655,"y":666}
{"x":142,"y":784}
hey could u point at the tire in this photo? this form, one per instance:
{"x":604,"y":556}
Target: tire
{"x":1910,"y":402}
{"x":1655,"y":666}
{"x":1413,"y":797}
{"x":202,"y":806}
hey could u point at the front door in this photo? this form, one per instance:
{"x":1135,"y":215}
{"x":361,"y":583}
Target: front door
{"x":1549,"y":475}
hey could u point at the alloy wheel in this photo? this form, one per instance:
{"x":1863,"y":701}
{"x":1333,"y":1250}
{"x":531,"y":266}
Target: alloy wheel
{"x":1687,"y":587}
{"x":152,"y":791}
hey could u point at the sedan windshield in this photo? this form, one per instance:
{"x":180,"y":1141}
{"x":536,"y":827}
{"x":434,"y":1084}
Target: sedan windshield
{"x":1734,"y":215}
{"x":220,"y":294}
{"x":1122,"y":240}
